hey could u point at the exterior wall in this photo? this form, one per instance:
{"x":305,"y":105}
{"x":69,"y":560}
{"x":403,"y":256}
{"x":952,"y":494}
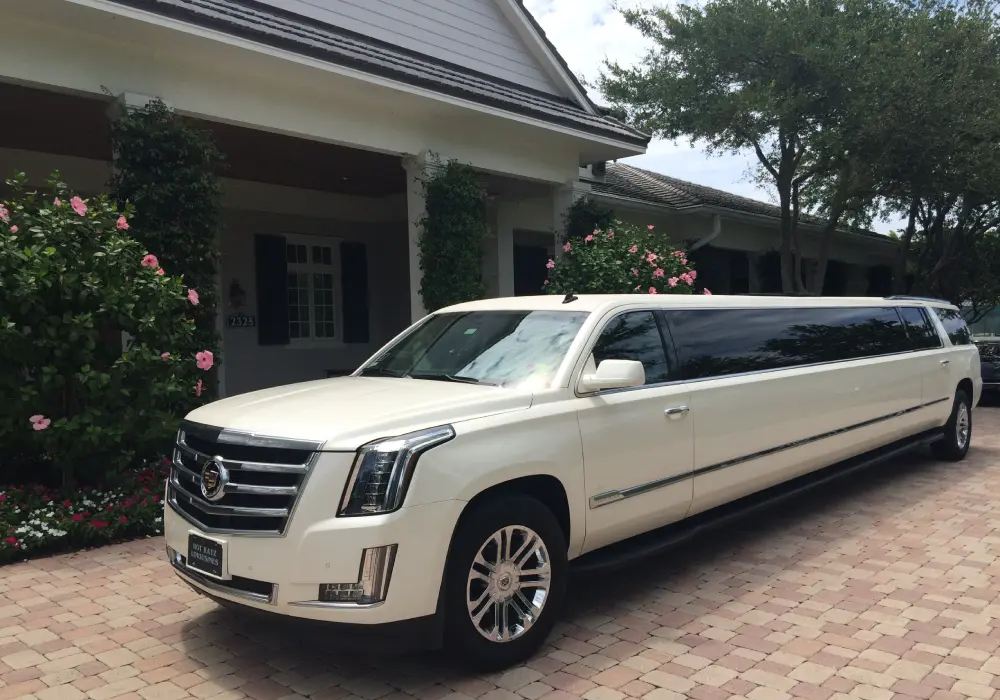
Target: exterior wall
{"x":63,"y":46}
{"x":470,"y":33}
{"x":248,"y":364}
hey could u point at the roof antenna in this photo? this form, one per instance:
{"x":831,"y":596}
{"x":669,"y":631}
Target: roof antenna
{"x":569,"y":297}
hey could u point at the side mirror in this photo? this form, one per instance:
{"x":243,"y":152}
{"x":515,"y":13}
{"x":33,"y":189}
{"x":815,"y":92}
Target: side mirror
{"x":613,"y":374}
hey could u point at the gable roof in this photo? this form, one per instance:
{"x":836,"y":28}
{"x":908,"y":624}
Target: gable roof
{"x":630,"y":182}
{"x":274,"y":27}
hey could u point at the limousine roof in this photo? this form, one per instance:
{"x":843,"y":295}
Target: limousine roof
{"x":604,"y":302}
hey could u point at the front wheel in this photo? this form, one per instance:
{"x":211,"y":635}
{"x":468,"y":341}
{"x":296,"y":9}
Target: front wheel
{"x":954,"y":444}
{"x":506,"y":580}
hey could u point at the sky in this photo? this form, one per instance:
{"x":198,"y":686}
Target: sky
{"x":586,"y":32}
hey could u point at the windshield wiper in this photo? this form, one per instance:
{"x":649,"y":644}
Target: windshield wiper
{"x":451,"y":378}
{"x":380,"y":372}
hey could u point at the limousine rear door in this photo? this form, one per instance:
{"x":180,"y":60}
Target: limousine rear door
{"x":638,"y":443}
{"x":779,"y":392}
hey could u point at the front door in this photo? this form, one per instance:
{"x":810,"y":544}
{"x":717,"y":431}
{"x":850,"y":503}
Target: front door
{"x":638,"y":443}
{"x":529,"y":269}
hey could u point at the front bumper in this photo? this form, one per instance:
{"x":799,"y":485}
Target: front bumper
{"x":283,"y":575}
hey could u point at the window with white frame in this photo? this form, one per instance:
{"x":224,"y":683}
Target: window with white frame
{"x":313,"y":284}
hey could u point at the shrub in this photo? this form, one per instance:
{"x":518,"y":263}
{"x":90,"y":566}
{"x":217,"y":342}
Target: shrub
{"x":621,"y":260}
{"x":167,"y":170}
{"x":451,"y":236}
{"x":584,"y":216}
{"x":72,"y":281}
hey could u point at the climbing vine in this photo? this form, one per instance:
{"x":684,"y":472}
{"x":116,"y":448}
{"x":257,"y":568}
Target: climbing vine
{"x":168,"y":172}
{"x":451,"y":235}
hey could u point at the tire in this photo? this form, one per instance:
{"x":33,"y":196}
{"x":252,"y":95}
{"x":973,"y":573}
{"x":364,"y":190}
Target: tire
{"x":954,"y":445}
{"x":478,"y":591}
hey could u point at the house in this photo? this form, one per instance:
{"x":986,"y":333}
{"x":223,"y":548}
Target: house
{"x":328,"y":112}
{"x":733,"y":240}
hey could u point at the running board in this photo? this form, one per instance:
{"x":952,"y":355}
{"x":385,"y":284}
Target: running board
{"x":658,"y":541}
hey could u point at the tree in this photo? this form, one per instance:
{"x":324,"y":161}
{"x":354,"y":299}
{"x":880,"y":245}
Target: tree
{"x":772,"y":76}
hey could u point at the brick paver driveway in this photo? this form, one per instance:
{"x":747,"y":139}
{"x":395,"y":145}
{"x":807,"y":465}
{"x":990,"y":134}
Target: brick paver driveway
{"x":885,"y":587}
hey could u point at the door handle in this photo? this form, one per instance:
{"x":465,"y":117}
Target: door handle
{"x":945,"y":362}
{"x":676,"y":412}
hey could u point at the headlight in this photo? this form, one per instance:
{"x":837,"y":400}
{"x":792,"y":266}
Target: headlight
{"x":382,"y":471}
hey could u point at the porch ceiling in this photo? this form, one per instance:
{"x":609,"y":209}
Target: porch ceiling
{"x":54,"y":122}
{"x":277,"y":159}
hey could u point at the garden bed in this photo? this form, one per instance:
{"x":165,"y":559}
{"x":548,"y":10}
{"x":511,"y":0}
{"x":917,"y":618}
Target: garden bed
{"x":36,"y":520}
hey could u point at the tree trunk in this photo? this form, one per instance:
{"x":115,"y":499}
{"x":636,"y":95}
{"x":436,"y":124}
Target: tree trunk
{"x":788,"y":266}
{"x":903,"y":251}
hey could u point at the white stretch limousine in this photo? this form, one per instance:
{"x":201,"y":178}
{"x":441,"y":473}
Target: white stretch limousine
{"x":447,"y":485}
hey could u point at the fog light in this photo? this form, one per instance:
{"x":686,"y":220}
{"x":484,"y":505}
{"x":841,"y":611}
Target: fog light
{"x":373,"y":580}
{"x":340,"y":592}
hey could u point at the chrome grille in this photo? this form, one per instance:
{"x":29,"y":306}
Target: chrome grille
{"x":266,"y":475}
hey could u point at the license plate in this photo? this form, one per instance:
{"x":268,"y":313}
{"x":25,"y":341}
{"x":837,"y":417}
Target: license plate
{"x":205,"y":555}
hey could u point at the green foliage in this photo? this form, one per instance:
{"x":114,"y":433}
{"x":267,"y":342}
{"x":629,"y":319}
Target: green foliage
{"x":72,"y":280}
{"x":852,"y":108}
{"x":167,"y":171}
{"x":586,"y":216}
{"x":622,"y":259}
{"x":451,"y":236}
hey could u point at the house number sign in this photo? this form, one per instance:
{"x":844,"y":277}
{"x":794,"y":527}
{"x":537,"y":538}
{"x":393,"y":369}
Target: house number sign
{"x":241,"y":321}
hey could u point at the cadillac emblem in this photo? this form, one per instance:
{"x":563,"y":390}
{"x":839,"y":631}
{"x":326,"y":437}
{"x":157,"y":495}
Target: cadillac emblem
{"x":214,"y":477}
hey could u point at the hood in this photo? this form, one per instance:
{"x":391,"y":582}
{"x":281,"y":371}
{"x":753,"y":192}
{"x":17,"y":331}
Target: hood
{"x":346,"y":412}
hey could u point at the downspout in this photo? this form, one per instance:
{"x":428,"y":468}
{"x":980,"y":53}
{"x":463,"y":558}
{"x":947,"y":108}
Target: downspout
{"x":716,"y":230}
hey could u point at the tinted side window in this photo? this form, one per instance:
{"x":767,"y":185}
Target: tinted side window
{"x":920,"y":332}
{"x":634,"y":336}
{"x":712,"y":343}
{"x":954,"y":326}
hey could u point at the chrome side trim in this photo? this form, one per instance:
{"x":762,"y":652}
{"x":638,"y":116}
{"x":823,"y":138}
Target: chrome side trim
{"x":204,"y":582}
{"x":609,"y":497}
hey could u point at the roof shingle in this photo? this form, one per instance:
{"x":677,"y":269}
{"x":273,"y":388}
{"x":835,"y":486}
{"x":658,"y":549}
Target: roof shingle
{"x":303,"y":35}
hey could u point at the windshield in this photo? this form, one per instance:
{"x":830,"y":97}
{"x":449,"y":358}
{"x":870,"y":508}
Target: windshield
{"x":989,"y":349}
{"x":502,"y":348}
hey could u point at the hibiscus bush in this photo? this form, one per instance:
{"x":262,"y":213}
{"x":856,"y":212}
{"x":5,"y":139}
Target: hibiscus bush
{"x":35,"y":520}
{"x":98,"y":360}
{"x":621,"y":259}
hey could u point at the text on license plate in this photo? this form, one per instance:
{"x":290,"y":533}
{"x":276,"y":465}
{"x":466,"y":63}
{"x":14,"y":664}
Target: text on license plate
{"x":205,"y":555}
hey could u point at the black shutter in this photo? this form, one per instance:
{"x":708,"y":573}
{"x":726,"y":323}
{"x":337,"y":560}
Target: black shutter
{"x":354,"y":290}
{"x":272,"y":290}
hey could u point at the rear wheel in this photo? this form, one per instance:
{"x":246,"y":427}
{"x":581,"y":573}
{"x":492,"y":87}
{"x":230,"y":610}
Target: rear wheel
{"x":954,"y":444}
{"x":506,"y":580}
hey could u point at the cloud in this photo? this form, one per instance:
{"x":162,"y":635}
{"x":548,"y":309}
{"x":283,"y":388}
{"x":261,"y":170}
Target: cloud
{"x":586,"y":32}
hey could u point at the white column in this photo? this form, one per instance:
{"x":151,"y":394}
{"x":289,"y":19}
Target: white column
{"x":416,"y":206}
{"x":505,"y":250}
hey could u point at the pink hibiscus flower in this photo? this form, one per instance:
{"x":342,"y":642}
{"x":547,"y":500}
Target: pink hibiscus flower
{"x":57,"y":202}
{"x":550,"y":264}
{"x":650,"y":227}
{"x":4,"y":214}
{"x":692,"y":274}
{"x":198,"y":388}
{"x":39,"y":422}
{"x":150,"y":261}
{"x":79,"y":206}
{"x":14,"y":229}
{"x":658,"y":272}
{"x":672,"y":281}
{"x":707,"y":292}
{"x":205,"y":359}
{"x":634,"y":249}
{"x":160,"y":271}
{"x":568,"y":247}
{"x":635,"y":272}
{"x":652,"y":290}
{"x":122,"y":223}
{"x":165,"y":356}
{"x":651,"y":257}
{"x":589,"y":238}
{"x":611,"y":234}
{"x":193,"y":296}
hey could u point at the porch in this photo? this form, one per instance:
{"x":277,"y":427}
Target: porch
{"x":319,"y":264}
